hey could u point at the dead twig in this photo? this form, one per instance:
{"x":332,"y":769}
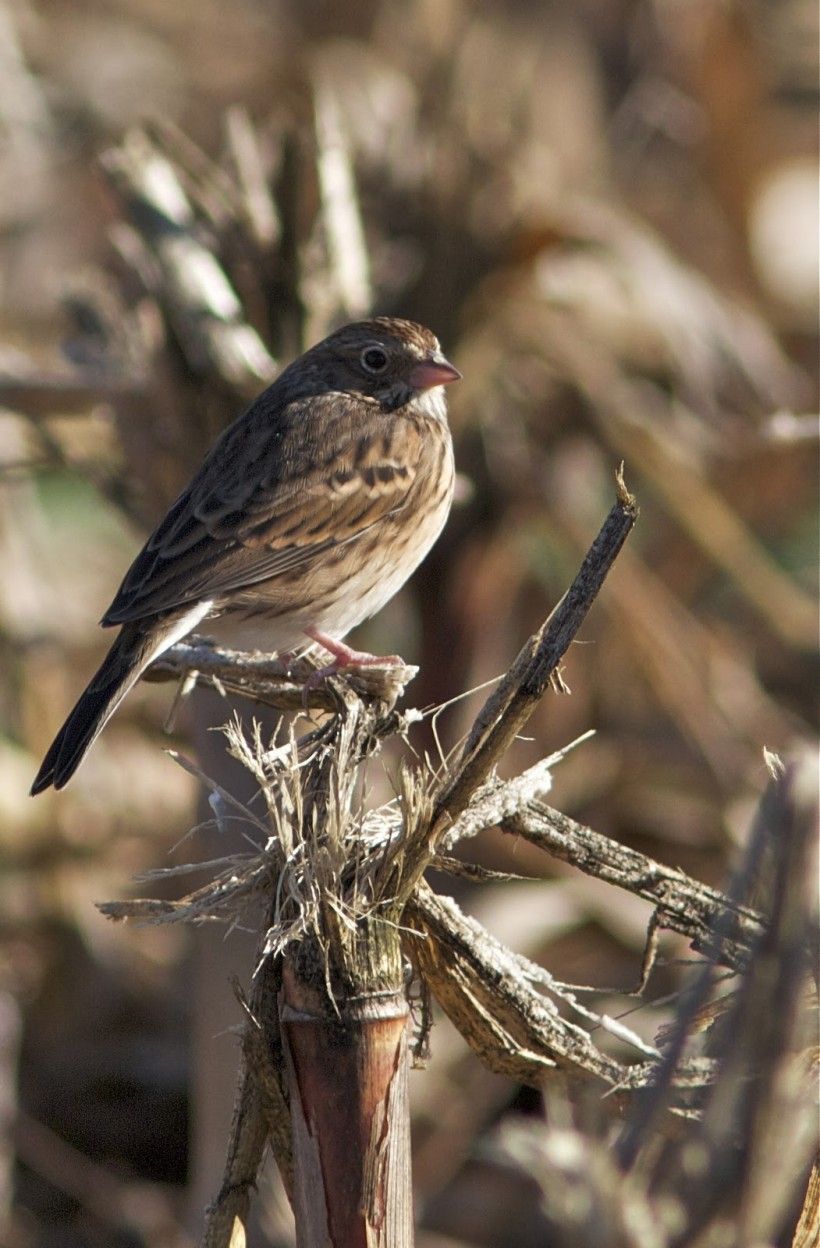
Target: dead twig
{"x":681,"y":904}
{"x":511,"y":703}
{"x":271,"y":681}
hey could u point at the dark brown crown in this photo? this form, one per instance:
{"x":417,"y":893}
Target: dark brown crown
{"x":420,"y":340}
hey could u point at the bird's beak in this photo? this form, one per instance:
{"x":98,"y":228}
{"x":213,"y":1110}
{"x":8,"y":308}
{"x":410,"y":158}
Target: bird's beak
{"x":434,"y":371}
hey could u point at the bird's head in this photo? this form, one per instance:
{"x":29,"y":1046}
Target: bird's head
{"x":385,"y":360}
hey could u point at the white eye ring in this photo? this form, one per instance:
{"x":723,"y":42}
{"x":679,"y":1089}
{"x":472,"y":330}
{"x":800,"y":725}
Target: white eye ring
{"x":373,"y":359}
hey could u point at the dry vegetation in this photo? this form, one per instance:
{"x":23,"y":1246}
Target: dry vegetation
{"x":606,"y":213}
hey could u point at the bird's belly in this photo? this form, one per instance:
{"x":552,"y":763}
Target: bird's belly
{"x":346,"y":586}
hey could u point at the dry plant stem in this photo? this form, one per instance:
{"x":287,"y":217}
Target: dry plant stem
{"x":494,"y":998}
{"x":807,"y":1232}
{"x":344,"y":1018}
{"x":340,"y":1080}
{"x":649,"y":1108}
{"x":508,"y":1023}
{"x":777,"y":1124}
{"x":681,"y":904}
{"x":272,"y":681}
{"x":509,"y":707}
{"x":348,"y":1078}
{"x":764,"y":1042}
{"x":757,"y":1136}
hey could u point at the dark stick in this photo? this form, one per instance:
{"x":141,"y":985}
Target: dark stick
{"x":272,"y":681}
{"x":512,"y":703}
{"x":681,"y":904}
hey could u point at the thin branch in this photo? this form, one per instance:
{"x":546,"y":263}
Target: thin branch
{"x":260,"y":1111}
{"x":492,"y":996}
{"x":511,"y":704}
{"x":681,"y":904}
{"x":288,"y":686}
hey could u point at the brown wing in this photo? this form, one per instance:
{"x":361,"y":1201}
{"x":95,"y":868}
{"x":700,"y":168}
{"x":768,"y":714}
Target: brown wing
{"x":280,"y":487}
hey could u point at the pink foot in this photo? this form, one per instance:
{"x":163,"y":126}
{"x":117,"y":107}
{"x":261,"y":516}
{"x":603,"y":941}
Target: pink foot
{"x":346,"y":656}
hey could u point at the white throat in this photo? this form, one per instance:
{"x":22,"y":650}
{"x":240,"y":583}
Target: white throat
{"x":431,"y":403}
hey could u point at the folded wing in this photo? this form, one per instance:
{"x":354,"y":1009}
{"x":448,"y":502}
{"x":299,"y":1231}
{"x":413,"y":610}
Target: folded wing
{"x":278,"y":490}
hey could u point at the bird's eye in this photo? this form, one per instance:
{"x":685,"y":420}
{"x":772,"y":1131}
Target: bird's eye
{"x":374,"y":359}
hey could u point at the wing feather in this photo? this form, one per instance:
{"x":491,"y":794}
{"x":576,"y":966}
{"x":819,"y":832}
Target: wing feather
{"x":281,"y":487}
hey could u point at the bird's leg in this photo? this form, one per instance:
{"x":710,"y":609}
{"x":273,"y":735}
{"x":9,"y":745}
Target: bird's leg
{"x":346,"y":656}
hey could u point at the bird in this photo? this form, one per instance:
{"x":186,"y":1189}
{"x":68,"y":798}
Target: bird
{"x":307,"y":515}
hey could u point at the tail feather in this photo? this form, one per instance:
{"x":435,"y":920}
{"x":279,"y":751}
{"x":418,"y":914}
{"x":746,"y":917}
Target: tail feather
{"x":130,"y":654}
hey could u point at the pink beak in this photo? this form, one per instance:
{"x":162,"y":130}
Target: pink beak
{"x":434,"y":371}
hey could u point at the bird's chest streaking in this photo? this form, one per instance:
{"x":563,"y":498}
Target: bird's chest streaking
{"x":352,"y":579}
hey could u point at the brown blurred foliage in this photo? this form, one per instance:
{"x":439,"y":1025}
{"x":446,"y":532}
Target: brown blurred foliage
{"x":608,"y":214}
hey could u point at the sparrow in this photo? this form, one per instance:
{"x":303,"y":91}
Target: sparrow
{"x":307,"y":515}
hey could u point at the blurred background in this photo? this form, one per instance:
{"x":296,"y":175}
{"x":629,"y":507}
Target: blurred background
{"x":608,"y":213}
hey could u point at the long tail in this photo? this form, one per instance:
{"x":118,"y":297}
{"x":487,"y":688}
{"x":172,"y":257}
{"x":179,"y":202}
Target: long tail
{"x":137,"y":644}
